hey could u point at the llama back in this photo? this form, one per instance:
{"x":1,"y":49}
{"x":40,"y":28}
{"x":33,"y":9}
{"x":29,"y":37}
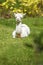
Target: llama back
{"x":27,"y":28}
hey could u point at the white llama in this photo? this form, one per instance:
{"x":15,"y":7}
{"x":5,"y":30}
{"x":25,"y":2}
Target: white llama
{"x":22,"y":30}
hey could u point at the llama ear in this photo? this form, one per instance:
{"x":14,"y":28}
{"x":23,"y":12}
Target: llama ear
{"x":24,"y":14}
{"x":14,"y":14}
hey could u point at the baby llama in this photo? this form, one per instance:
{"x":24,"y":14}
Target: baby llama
{"x":22,"y":30}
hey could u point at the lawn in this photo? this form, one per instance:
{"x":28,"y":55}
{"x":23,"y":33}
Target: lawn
{"x":20,"y":51}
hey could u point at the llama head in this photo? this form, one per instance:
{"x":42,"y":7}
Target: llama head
{"x":19,"y":16}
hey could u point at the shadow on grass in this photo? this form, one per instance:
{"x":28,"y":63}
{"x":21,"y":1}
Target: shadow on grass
{"x":38,"y":40}
{"x":28,"y":45}
{"x":3,"y":60}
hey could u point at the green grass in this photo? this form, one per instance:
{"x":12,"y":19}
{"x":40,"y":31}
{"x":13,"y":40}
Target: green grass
{"x":20,"y":51}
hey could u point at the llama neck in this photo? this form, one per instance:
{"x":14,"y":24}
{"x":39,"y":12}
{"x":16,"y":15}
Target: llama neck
{"x":18,"y":28}
{"x":19,"y":24}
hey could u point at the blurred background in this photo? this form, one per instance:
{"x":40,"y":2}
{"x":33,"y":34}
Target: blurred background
{"x":30,"y":7}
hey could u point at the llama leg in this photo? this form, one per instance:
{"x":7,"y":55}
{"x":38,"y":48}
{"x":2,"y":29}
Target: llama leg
{"x":14,"y":34}
{"x":18,"y":35}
